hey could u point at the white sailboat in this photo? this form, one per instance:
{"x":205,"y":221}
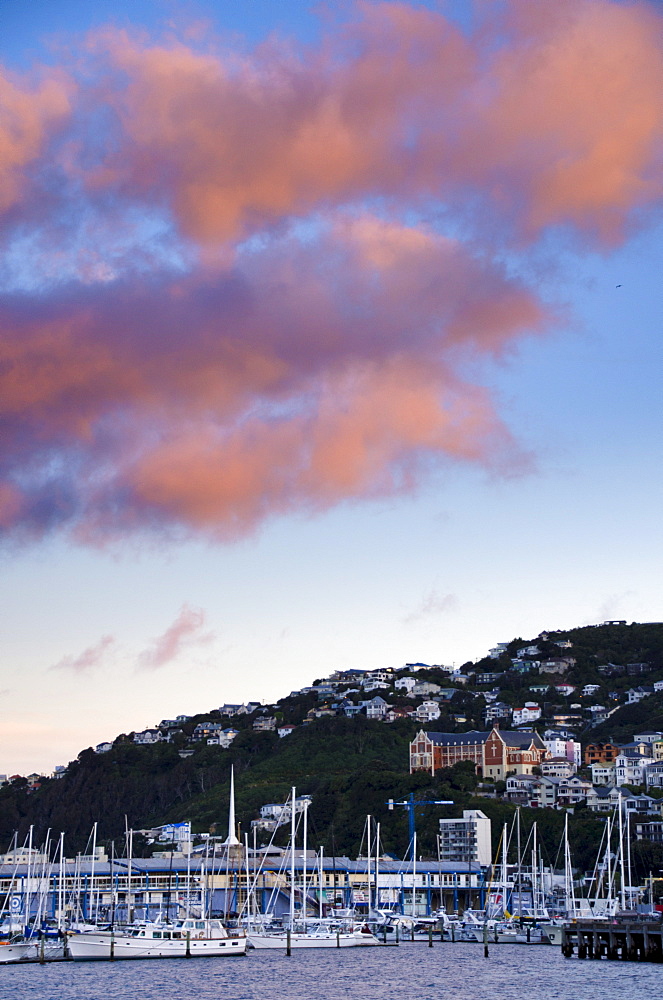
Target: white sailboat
{"x":304,"y":932}
{"x":190,"y":937}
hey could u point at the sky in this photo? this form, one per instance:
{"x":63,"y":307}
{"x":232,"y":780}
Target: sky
{"x":329,"y":338}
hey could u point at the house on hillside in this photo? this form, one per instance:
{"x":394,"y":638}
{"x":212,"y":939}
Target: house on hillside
{"x":530,"y":712}
{"x":376,"y":708}
{"x":264,"y":724}
{"x":600,"y":753}
{"x":556,"y":665}
{"x":405,"y":683}
{"x":424,"y":688}
{"x":148,"y":736}
{"x":630,"y":767}
{"x":634,"y":695}
{"x":428,"y":711}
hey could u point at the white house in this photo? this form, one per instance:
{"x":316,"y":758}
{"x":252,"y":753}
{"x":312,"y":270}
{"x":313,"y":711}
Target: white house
{"x":373,"y":684}
{"x":103,"y":747}
{"x":148,"y":736}
{"x":558,"y":746}
{"x":530,"y":712}
{"x":376,"y":708}
{"x":603,"y":774}
{"x":425,"y":687}
{"x":428,"y":711}
{"x":405,"y":683}
{"x":285,"y":730}
{"x":590,"y":689}
{"x":557,"y":767}
{"x":634,"y":695}
{"x":630,"y":768}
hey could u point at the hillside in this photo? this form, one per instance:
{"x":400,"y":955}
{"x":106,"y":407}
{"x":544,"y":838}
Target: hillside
{"x":349,"y":763}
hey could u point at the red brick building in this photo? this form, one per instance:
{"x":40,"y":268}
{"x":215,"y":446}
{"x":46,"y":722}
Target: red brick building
{"x":495,"y":753}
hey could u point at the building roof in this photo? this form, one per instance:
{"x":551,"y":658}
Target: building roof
{"x":513,"y":738}
{"x":458,"y":739}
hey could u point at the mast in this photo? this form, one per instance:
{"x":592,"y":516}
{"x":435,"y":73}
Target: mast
{"x":628,"y":858}
{"x":292,"y":861}
{"x":609,"y":857}
{"x":368,"y":859}
{"x":621,"y":853}
{"x":28,"y":886}
{"x":376,"y":869}
{"x":568,"y":872}
{"x":61,"y":885}
{"x":520,"y":867}
{"x":92,"y":869}
{"x":320,"y":880}
{"x":535,"y":888}
{"x":130,"y":850}
{"x":305,"y":864}
{"x":505,"y":874}
{"x":414,"y":875}
{"x":248,"y":888}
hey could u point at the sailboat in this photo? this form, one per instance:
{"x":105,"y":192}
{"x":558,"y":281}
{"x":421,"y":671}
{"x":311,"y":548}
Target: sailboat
{"x":189,"y":937}
{"x":304,"y":932}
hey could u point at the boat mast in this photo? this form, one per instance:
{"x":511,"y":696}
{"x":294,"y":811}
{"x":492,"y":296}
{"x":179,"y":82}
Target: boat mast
{"x":568,"y":872}
{"x":414,"y":875}
{"x":368,"y":859}
{"x":305,"y":863}
{"x":535,"y":887}
{"x":505,"y":874}
{"x":376,"y":869}
{"x":520,"y":867}
{"x":61,"y":885}
{"x":292,"y":861}
{"x":621,"y":853}
{"x":92,"y":870}
{"x":321,"y":877}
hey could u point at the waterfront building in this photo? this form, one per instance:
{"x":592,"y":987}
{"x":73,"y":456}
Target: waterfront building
{"x":466,"y":840}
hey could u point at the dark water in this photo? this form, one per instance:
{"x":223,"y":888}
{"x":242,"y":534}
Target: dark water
{"x":409,"y":972}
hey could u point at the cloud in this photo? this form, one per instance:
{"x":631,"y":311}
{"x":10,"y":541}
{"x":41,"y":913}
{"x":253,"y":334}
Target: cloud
{"x":183,"y":633}
{"x":433,"y":604}
{"x":89,"y":659}
{"x":242,"y":285}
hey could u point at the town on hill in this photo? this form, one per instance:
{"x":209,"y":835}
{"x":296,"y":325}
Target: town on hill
{"x":567,"y":723}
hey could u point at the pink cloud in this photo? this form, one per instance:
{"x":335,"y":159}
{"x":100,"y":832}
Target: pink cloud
{"x":89,"y":659}
{"x":183,"y":633}
{"x":559,"y":124}
{"x":304,"y":376}
{"x":243,"y":298}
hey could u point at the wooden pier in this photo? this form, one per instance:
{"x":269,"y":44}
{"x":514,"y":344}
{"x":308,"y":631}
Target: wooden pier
{"x":625,"y":940}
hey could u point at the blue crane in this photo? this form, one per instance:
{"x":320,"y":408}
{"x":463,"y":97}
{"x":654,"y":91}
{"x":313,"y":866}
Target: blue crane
{"x":410,"y":804}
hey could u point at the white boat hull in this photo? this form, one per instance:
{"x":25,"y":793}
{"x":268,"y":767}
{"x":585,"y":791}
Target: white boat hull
{"x":18,"y":951}
{"x":343,"y":939}
{"x":103,"y":945}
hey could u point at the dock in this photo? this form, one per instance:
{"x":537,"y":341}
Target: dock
{"x":625,"y":940}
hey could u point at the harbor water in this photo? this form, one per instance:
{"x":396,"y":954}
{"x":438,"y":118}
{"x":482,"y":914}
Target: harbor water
{"x":412,"y":971}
